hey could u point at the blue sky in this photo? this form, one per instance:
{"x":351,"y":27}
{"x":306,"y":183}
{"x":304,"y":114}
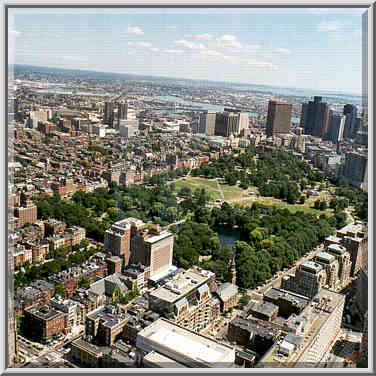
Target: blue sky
{"x":304,"y":48}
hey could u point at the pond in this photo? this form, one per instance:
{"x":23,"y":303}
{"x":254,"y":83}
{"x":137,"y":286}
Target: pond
{"x":227,"y":236}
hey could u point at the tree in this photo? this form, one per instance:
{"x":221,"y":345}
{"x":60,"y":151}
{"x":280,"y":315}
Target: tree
{"x":85,"y":283}
{"x":60,"y":290}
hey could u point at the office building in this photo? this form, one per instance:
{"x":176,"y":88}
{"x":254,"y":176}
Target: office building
{"x":308,"y":280}
{"x":122,"y":111}
{"x":336,"y":127}
{"x":108,"y":116}
{"x":106,"y":324}
{"x":355,"y":170}
{"x":153,"y":248}
{"x":243,"y":122}
{"x":184,"y":346}
{"x":226,"y":123}
{"x":26,"y":214}
{"x":350,"y":124}
{"x":320,"y":324}
{"x":128,"y":128}
{"x":44,"y":321}
{"x":303,"y":115}
{"x":117,"y":240}
{"x":186,"y":299}
{"x":316,"y":118}
{"x":279,"y":118}
{"x":344,"y":262}
{"x":207,"y":122}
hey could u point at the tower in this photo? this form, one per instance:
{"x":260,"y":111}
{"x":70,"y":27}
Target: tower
{"x":279,"y":118}
{"x":233,"y":271}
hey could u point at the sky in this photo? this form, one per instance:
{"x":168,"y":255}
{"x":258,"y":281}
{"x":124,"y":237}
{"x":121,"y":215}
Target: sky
{"x":303,"y":48}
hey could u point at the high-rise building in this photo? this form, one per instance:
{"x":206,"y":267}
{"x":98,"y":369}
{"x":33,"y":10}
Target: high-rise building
{"x":226,"y":123}
{"x":12,"y":334}
{"x":243,"y":122}
{"x":279,"y":118}
{"x":350,"y":124}
{"x":128,"y":128}
{"x":207,"y":122}
{"x":336,"y":127}
{"x":27,"y":214}
{"x":153,"y":248}
{"x":316,"y":118}
{"x":122,"y":110}
{"x":108,"y":113}
{"x":303,"y":115}
{"x":355,"y":170}
{"x":117,"y":240}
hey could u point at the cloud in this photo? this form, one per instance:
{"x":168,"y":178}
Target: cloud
{"x":14,"y":33}
{"x":283,"y":51}
{"x":329,"y":26}
{"x":154,"y":49}
{"x":144,"y":44}
{"x":170,"y":27}
{"x":262,"y":64}
{"x":228,"y":41}
{"x":173,"y":51}
{"x":134,"y":30}
{"x":203,"y":36}
{"x":191,"y":45}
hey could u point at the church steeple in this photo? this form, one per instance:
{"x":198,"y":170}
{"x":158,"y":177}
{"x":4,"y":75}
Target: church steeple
{"x":233,"y":271}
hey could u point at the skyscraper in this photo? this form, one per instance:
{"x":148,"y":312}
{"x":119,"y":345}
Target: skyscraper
{"x":226,"y":123}
{"x":122,"y":111}
{"x":303,"y":115}
{"x":108,"y":113}
{"x":336,"y":127}
{"x":279,"y":118}
{"x":350,"y":124}
{"x":207,"y":122}
{"x":316,"y":118}
{"x":356,"y":169}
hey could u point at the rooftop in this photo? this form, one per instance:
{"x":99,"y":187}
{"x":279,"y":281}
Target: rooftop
{"x":178,"y":340}
{"x":162,"y":361}
{"x":311,"y":266}
{"x":324,"y":256}
{"x":108,"y":316}
{"x":181,"y":284}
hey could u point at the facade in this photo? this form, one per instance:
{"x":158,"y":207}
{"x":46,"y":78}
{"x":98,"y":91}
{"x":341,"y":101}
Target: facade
{"x":207,"y":122}
{"x":106,"y":324}
{"x":122,"y":112}
{"x":356,"y":170}
{"x":117,"y":240}
{"x":44,"y":321}
{"x":307,"y":281}
{"x":108,"y":117}
{"x":186,"y":299}
{"x":26,"y":214}
{"x":152,"y":248}
{"x":316,"y":118}
{"x":228,"y":296}
{"x":184,"y":346}
{"x":128,"y":128}
{"x":331,"y":266}
{"x":279,"y":118}
{"x":336,"y":127}
{"x":226,"y":123}
{"x":344,"y":262}
{"x":350,"y":124}
{"x":320,"y":325}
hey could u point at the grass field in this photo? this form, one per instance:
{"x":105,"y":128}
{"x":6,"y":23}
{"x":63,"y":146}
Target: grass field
{"x":218,"y":190}
{"x":214,"y":188}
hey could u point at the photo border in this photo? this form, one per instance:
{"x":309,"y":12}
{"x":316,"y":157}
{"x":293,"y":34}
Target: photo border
{"x":86,"y":4}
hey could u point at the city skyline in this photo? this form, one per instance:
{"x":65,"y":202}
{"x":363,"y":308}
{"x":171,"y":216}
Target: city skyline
{"x":219,"y":45}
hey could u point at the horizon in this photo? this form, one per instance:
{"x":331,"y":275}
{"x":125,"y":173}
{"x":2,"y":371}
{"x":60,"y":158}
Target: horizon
{"x":311,"y":49}
{"x":228,"y":83}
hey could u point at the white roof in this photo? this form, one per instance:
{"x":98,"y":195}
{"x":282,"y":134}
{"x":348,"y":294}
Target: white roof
{"x":287,"y":345}
{"x":187,"y":346}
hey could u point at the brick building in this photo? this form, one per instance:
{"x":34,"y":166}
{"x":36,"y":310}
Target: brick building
{"x":26,"y":214}
{"x":43,"y":321}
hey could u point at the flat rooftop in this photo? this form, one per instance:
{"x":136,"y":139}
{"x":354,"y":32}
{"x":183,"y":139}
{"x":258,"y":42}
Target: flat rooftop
{"x":325,"y":302}
{"x":108,"y":318}
{"x":185,"y":342}
{"x":156,"y":238}
{"x":336,"y":248}
{"x":181,"y":284}
{"x":162,"y":361}
{"x":353,"y":228}
{"x":311,"y":266}
{"x":326,"y":257}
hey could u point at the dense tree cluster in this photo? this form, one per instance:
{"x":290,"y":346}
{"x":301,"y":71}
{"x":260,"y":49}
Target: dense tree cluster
{"x":273,"y":239}
{"x":276,"y":173}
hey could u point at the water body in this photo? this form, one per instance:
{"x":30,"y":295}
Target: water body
{"x":203,"y":106}
{"x":67,"y":92}
{"x":227,"y":236}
